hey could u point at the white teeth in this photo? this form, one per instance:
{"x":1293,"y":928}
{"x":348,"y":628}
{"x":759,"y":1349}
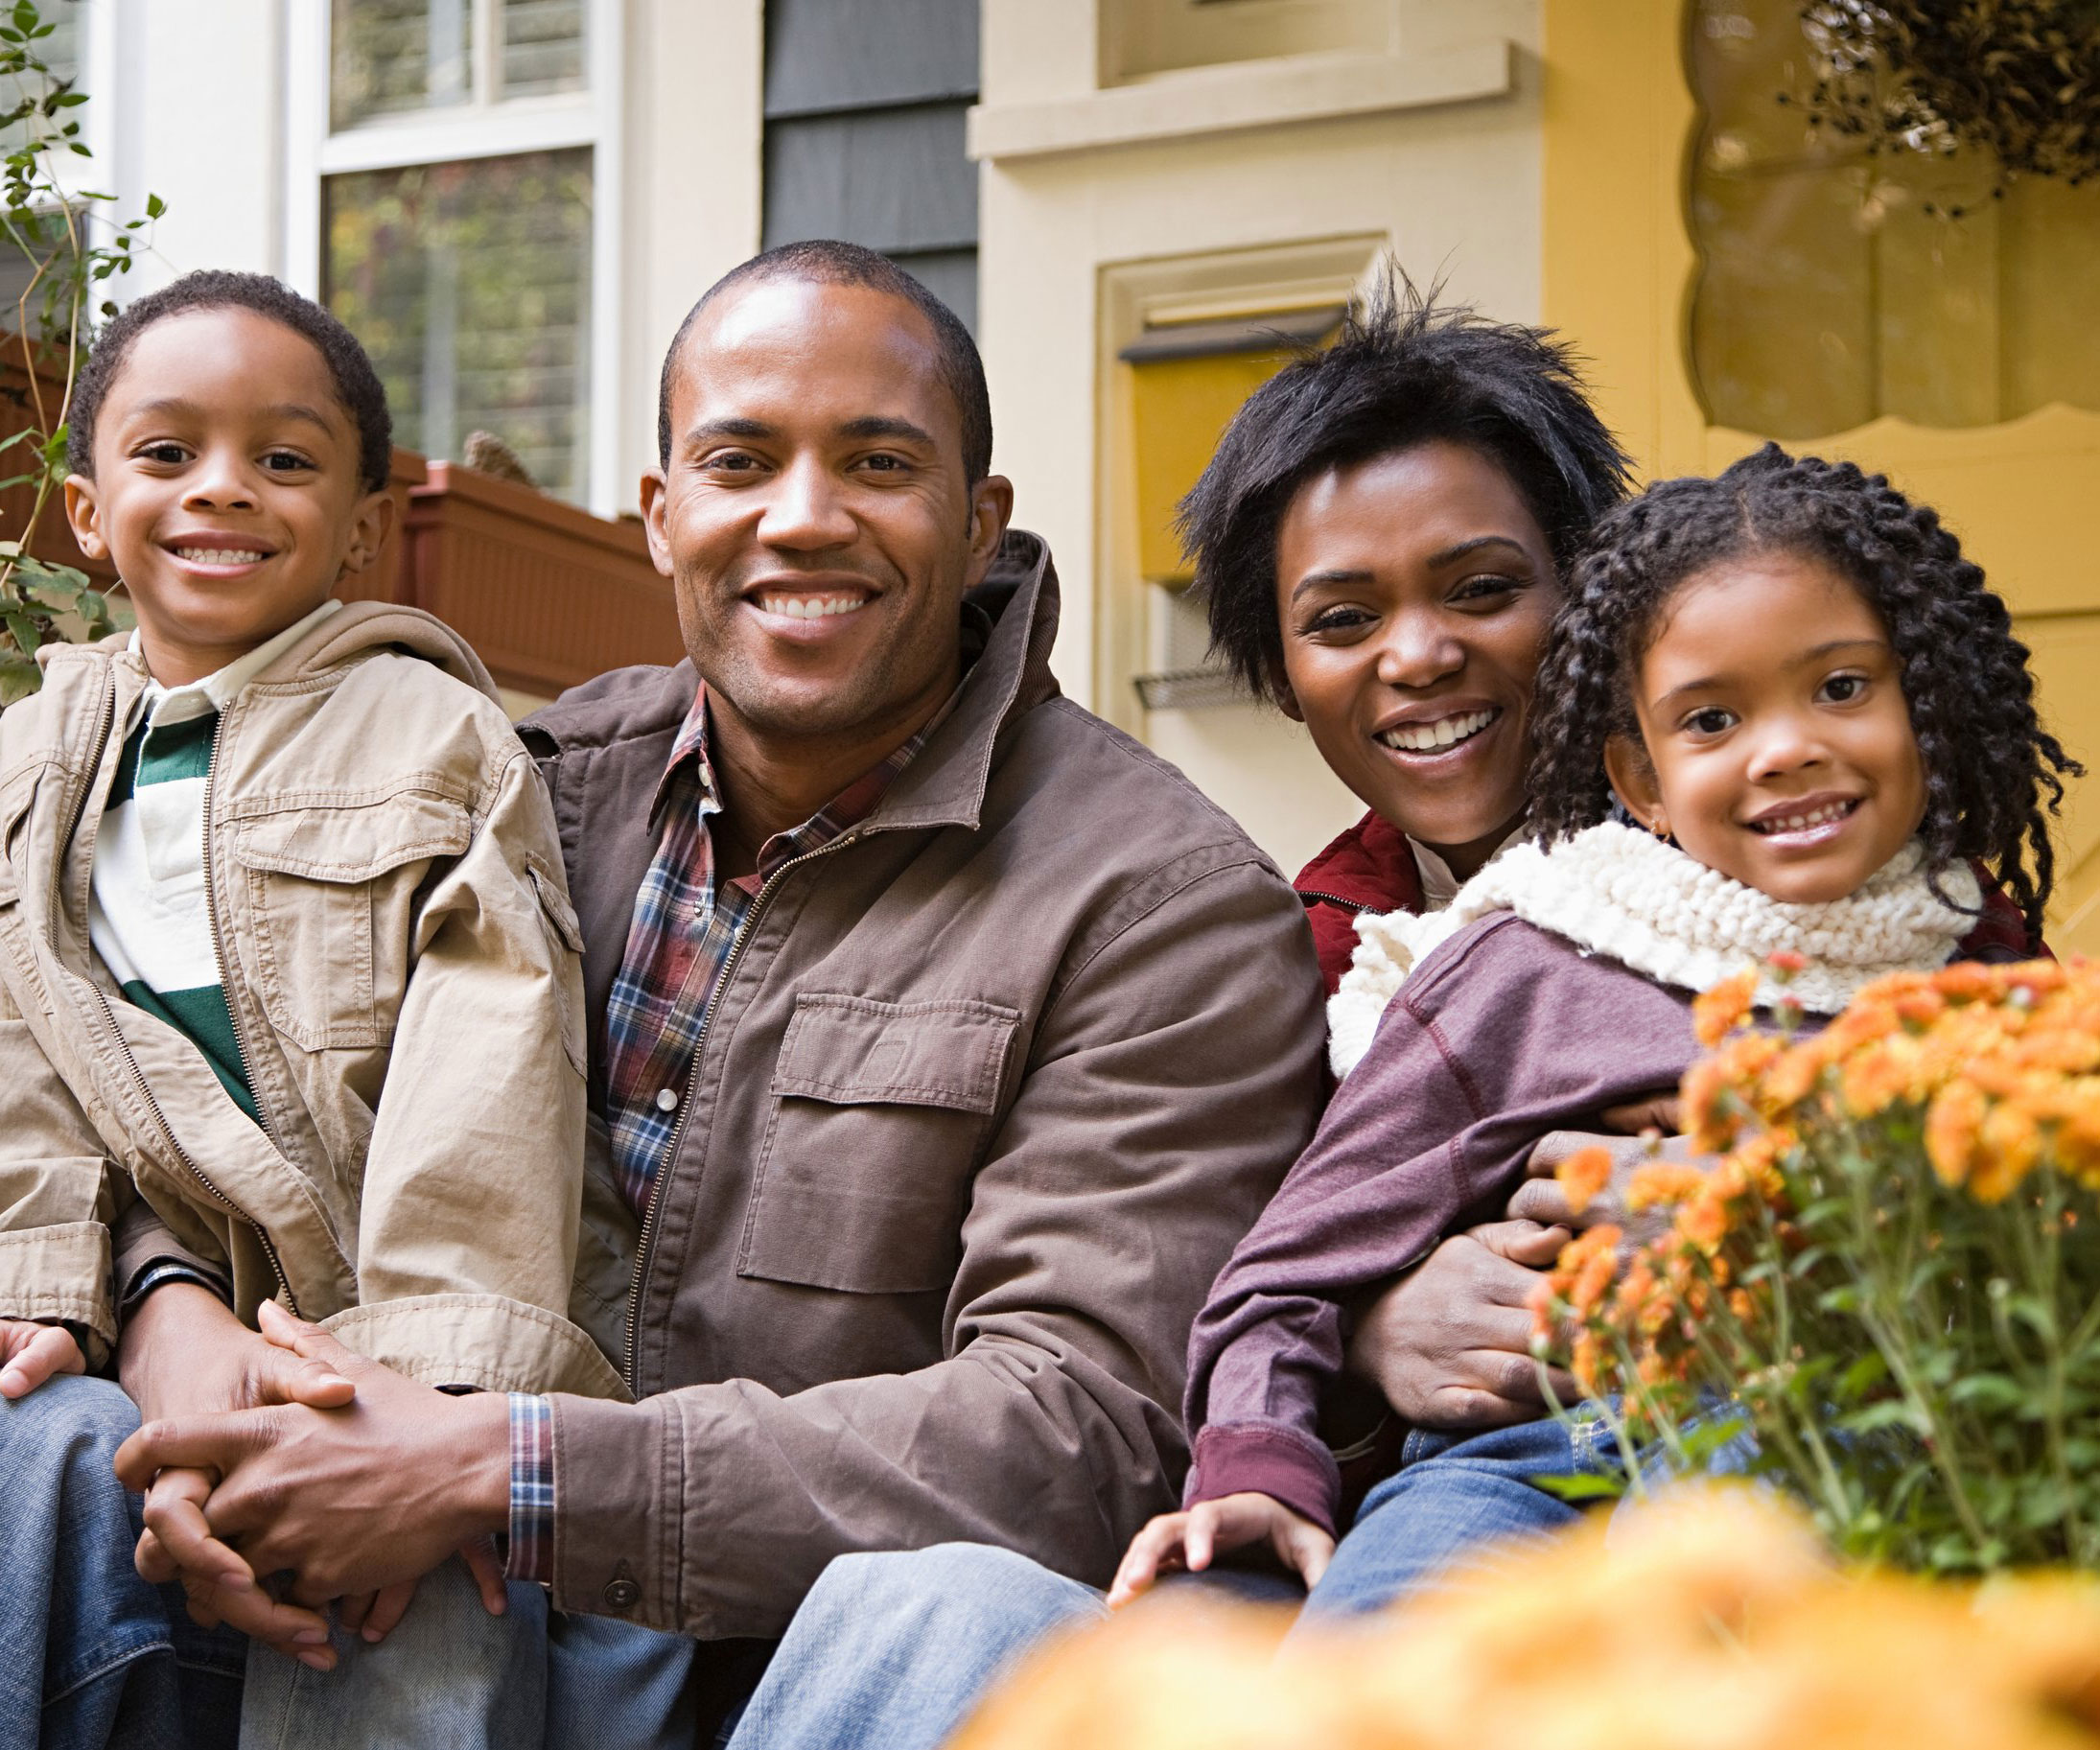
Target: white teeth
{"x":1445,"y":732}
{"x":1814,"y":817}
{"x":218,"y":555}
{"x":810,"y":607}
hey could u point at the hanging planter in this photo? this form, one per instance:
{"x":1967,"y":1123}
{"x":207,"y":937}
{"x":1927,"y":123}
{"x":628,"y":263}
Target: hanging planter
{"x":2018,"y":79}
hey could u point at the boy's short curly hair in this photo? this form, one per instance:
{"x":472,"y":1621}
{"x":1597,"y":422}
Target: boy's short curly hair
{"x":357,"y":383}
{"x":1404,"y":371}
{"x":1992,"y":773}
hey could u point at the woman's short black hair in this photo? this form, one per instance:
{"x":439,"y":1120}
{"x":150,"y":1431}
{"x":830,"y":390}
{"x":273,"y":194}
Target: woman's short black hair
{"x":357,"y":383}
{"x":1992,"y":773}
{"x":1405,"y":370}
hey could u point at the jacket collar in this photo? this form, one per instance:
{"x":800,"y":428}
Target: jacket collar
{"x":328,"y":637}
{"x":1371,"y":866}
{"x":946,"y":782}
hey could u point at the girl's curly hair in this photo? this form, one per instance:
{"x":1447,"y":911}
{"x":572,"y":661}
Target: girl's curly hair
{"x":1405,"y":370}
{"x":1992,"y":773}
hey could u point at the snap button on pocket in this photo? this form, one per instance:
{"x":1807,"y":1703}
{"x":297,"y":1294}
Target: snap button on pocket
{"x":621,"y":1594}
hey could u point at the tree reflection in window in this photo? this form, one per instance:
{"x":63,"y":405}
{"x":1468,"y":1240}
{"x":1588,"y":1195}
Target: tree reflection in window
{"x":1826,"y":294}
{"x":470,"y":284}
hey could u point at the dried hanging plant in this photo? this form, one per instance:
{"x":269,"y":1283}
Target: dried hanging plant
{"x":2019,"y":79}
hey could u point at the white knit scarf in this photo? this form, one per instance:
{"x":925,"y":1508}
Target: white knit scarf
{"x":1617,"y":892}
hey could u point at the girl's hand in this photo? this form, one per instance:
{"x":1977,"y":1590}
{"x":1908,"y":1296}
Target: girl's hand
{"x":1189,"y":1540}
{"x":31,"y":1353}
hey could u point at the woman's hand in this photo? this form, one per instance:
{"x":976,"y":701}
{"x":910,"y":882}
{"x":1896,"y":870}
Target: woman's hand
{"x":184,"y":1354}
{"x":1190,"y":1540}
{"x":31,"y":1353}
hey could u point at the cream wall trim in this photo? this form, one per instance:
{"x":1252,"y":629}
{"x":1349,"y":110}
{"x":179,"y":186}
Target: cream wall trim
{"x":206,"y":123}
{"x":1230,"y":99}
{"x":693,"y":132}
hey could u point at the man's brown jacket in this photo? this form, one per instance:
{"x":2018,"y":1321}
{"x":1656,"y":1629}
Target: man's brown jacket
{"x":991,"y":1086}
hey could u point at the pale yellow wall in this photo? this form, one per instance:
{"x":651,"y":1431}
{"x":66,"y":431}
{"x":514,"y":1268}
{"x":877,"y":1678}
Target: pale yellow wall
{"x":1453,"y":186}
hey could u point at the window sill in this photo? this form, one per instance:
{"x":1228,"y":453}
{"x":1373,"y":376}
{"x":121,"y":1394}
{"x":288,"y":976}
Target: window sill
{"x":1233,"y":98}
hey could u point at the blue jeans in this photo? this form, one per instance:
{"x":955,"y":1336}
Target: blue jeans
{"x":91,"y":1656}
{"x":94,"y":1658}
{"x":451,"y":1674}
{"x":891,"y":1653}
{"x":1456,"y":1502}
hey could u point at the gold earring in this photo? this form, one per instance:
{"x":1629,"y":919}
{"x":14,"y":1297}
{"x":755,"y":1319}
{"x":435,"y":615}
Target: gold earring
{"x":1661,"y":828}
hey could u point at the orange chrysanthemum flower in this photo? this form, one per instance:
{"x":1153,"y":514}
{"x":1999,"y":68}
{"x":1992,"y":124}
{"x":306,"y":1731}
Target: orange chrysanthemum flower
{"x":1583,"y":1174}
{"x":1718,"y":1013}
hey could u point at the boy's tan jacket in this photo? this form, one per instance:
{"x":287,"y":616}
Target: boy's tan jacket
{"x":368,"y":818}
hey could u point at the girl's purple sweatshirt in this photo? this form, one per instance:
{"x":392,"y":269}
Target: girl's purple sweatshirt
{"x":1503,"y":1034}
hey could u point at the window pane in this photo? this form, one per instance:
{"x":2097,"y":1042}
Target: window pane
{"x":543,"y":46}
{"x":470,"y":284}
{"x":61,"y":52}
{"x":390,"y":55}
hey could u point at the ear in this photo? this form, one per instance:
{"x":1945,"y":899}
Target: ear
{"x":655,"y":501}
{"x":83,"y":511}
{"x":374,"y":523}
{"x":1280,"y":689}
{"x":1632,"y":776}
{"x":991,"y":510}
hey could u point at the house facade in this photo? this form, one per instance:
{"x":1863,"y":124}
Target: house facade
{"x":1139,"y":205}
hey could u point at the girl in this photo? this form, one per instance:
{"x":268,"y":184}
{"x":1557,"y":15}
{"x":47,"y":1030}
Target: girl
{"x":1819,"y":717}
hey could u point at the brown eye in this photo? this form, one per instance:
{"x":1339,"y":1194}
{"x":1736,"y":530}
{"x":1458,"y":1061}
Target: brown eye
{"x":1711,"y":721}
{"x":1843,"y":688}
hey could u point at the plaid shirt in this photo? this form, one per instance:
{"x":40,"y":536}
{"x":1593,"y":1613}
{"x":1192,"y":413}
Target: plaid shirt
{"x":685,"y":931}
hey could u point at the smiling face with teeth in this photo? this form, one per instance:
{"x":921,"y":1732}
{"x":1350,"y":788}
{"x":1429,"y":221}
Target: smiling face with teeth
{"x":816,"y":520}
{"x":228,"y":489}
{"x":1777,"y":745}
{"x":1416,"y":589}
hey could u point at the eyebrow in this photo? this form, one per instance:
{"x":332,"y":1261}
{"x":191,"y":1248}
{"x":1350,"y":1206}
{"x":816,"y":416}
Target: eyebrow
{"x":1437,"y":561}
{"x":871,"y":425}
{"x":1706,"y":682}
{"x":283,"y":409}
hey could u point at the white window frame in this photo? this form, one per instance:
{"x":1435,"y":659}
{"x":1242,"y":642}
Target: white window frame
{"x":590,"y":117}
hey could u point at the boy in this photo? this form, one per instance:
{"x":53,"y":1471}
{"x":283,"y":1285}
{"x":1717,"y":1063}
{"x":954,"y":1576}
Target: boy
{"x":288,"y":976}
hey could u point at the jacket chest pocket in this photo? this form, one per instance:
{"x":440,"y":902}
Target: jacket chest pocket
{"x":880,"y":1110}
{"x":331,"y":895}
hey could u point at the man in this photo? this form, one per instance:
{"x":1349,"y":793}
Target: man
{"x":943,"y":1043}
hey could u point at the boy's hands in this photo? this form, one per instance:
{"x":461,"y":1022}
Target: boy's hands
{"x":1190,"y":1540}
{"x":31,"y":1353}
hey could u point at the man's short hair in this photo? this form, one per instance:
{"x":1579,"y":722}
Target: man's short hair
{"x":824,"y":262}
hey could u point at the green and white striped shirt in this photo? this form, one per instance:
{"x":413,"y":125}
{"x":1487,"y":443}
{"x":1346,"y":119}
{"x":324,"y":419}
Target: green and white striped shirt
{"x":148,"y":909}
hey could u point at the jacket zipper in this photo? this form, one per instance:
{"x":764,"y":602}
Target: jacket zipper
{"x":1355,"y":905}
{"x":109,"y":1013}
{"x":772,"y":882}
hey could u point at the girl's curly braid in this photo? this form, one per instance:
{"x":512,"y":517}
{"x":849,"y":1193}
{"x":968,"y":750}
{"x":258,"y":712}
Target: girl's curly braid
{"x":1993,"y":774}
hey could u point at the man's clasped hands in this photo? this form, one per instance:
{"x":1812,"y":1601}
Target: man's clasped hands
{"x":274,"y":1487}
